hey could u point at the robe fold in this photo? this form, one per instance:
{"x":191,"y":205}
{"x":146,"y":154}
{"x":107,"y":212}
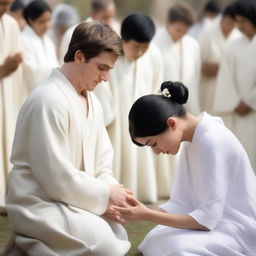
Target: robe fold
{"x":61,"y":175}
{"x":216,"y":186}
{"x":10,"y":98}
{"x":39,"y":58}
{"x":181,"y":63}
{"x":235,"y":83}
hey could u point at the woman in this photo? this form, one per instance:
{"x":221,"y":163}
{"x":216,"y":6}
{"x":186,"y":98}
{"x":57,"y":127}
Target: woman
{"x":215,"y":187}
{"x":39,"y":52}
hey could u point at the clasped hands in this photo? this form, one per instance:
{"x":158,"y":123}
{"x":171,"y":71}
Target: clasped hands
{"x":123,"y":207}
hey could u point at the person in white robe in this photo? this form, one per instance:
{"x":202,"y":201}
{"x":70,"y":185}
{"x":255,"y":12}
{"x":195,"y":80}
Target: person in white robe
{"x":135,"y":74}
{"x":233,"y":99}
{"x":16,"y":12}
{"x":103,"y":11}
{"x":61,"y":188}
{"x":213,"y":42}
{"x":212,"y":208}
{"x":10,"y":86}
{"x":39,"y":52}
{"x":181,"y":53}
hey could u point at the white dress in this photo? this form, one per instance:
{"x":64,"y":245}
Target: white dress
{"x":215,"y":185}
{"x":59,"y":185}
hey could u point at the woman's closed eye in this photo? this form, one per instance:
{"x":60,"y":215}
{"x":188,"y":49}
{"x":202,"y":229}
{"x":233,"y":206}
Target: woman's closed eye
{"x":153,"y":145}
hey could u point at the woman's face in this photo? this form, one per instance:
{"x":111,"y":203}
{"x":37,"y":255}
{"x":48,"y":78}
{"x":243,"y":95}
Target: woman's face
{"x":177,"y":30}
{"x":167,"y":142}
{"x":42,"y":23}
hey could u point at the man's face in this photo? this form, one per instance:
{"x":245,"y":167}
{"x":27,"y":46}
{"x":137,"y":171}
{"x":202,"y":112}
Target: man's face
{"x":177,"y":30}
{"x":105,"y":16}
{"x":245,"y":26}
{"x":5,"y":6}
{"x":134,"y":49}
{"x":94,"y":71}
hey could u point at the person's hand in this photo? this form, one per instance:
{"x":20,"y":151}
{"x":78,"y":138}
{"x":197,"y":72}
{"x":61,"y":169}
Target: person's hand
{"x":210,"y":69}
{"x":243,"y":109}
{"x":10,"y":64}
{"x":118,"y":195}
{"x":112,"y":214}
{"x":135,"y":212}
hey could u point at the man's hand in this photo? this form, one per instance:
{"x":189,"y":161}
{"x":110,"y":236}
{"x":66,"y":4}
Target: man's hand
{"x":210,"y":69}
{"x":243,"y":109}
{"x":10,"y":64}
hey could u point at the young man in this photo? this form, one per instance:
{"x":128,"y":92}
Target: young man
{"x":234,"y":97}
{"x":138,"y":73}
{"x":10,"y":90}
{"x":181,"y":53}
{"x":61,"y":188}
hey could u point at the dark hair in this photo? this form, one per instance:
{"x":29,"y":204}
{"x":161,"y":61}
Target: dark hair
{"x":247,"y":9}
{"x":138,"y":27}
{"x":17,"y":5}
{"x":35,"y":9}
{"x":212,"y":6}
{"x":181,"y":12}
{"x":93,"y":38}
{"x":229,"y":11}
{"x":99,"y":5}
{"x":149,"y":114}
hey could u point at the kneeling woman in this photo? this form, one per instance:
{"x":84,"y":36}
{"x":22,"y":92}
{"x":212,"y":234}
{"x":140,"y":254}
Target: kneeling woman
{"x":212,"y":210}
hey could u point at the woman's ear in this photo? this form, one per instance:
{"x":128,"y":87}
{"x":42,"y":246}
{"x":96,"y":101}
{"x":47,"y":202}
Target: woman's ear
{"x":172,"y":123}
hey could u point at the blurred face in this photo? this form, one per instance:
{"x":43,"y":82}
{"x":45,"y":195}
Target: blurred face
{"x":42,"y":24}
{"x":227,"y":25}
{"x":133,"y":49}
{"x":5,"y":6}
{"x":96,"y":70}
{"x":167,"y":142}
{"x":177,"y":30}
{"x":245,"y":26}
{"x":105,"y":16}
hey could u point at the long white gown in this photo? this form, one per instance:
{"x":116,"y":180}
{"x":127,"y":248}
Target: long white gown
{"x":181,"y":63}
{"x":59,"y":185}
{"x":213,"y":45}
{"x":233,"y":85}
{"x":11,"y":98}
{"x":39,"y":58}
{"x":215,"y":185}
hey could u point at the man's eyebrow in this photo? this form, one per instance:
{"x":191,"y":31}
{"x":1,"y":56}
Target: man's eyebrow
{"x":106,"y":66}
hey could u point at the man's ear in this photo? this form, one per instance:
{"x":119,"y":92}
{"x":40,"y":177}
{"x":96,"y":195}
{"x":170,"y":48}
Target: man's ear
{"x":172,"y":123}
{"x":79,"y":57}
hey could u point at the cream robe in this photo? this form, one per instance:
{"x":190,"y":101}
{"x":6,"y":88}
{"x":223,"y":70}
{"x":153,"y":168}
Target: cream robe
{"x":60,"y":181}
{"x":39,"y":58}
{"x":213,"y":45}
{"x":181,"y":63}
{"x":10,"y":97}
{"x":135,"y":167}
{"x":216,"y":186}
{"x":234,"y":84}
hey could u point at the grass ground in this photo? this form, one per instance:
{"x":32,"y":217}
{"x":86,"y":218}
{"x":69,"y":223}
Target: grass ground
{"x":136,"y":233}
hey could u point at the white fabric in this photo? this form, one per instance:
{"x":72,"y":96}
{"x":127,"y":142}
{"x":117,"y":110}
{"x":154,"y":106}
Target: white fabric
{"x":136,"y":167}
{"x":61,"y":176}
{"x":10,"y":97}
{"x":39,"y":58}
{"x":235,"y":84}
{"x":215,"y":184}
{"x":181,"y":63}
{"x":213,"y":44}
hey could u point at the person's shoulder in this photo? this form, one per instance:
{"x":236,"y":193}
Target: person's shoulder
{"x":11,"y":22}
{"x":189,"y":40}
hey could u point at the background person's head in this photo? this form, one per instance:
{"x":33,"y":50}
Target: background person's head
{"x":180,"y":18}
{"x":5,"y":5}
{"x":137,"y":31}
{"x":153,"y":118}
{"x":246,"y":17}
{"x":38,"y":16}
{"x":103,"y":11}
{"x":228,"y":19}
{"x":211,"y":9}
{"x":16,"y":12}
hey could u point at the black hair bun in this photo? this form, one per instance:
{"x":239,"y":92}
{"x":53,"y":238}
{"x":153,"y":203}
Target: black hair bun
{"x":176,"y":91}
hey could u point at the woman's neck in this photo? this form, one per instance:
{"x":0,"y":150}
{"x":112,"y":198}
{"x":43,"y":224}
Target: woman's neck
{"x":190,"y":124}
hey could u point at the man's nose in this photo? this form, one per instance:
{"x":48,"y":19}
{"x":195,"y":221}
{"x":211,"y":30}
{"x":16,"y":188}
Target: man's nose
{"x":104,"y":76}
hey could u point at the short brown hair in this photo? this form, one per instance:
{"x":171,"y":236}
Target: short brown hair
{"x":99,"y":5}
{"x":181,"y":12}
{"x":93,"y":38}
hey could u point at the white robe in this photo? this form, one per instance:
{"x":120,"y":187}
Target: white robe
{"x":39,"y":58}
{"x":232,"y":87}
{"x":10,"y":97}
{"x":181,"y":63}
{"x":213,"y":45}
{"x":60,"y":181}
{"x":135,"y":167}
{"x":215,"y":185}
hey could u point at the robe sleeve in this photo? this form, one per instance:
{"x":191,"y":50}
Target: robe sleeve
{"x":213,"y":169}
{"x":50,"y":158}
